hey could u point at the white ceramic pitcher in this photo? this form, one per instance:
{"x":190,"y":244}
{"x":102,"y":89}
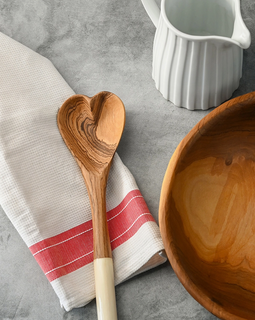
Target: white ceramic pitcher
{"x":198,"y":50}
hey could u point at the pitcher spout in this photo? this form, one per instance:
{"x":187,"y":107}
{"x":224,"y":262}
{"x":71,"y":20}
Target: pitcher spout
{"x":241,"y":35}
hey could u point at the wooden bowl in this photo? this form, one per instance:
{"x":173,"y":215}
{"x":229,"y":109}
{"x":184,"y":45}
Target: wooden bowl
{"x":207,"y":210}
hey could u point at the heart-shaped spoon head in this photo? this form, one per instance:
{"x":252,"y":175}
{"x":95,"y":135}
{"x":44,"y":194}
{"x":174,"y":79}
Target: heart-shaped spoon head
{"x":92,"y":128}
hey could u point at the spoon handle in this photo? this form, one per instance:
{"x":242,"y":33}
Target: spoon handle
{"x":103,"y":264}
{"x":105,"y":289}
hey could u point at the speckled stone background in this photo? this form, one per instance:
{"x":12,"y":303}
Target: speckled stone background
{"x":106,"y":45}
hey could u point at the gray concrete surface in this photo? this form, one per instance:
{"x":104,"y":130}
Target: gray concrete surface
{"x":106,"y":45}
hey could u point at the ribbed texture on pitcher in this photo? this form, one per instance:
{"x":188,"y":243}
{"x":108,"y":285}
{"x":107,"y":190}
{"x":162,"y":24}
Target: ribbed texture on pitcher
{"x":194,"y":74}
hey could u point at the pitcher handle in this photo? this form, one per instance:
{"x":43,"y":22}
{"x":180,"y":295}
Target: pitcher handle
{"x":241,"y":34}
{"x":152,"y":10}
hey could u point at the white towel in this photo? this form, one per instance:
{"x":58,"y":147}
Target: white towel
{"x":42,"y":190}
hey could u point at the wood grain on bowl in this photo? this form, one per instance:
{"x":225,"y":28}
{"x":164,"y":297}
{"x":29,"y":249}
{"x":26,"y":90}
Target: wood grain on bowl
{"x":207,"y":210}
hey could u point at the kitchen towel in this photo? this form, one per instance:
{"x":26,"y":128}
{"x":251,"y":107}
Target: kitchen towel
{"x":42,"y":190}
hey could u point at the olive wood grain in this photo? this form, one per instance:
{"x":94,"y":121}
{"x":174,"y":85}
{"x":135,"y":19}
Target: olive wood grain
{"x":92,"y":128}
{"x":207,"y":210}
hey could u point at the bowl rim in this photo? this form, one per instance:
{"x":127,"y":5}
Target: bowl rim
{"x":193,"y":135}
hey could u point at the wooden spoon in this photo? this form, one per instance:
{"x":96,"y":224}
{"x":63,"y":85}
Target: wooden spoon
{"x":91,"y":129}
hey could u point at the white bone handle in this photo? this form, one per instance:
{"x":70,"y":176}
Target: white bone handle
{"x":105,"y":289}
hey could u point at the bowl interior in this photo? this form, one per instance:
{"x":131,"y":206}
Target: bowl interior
{"x":207,"y":211}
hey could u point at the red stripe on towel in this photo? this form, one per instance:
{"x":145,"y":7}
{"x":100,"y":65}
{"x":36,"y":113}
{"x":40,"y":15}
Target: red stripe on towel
{"x":72,"y":249}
